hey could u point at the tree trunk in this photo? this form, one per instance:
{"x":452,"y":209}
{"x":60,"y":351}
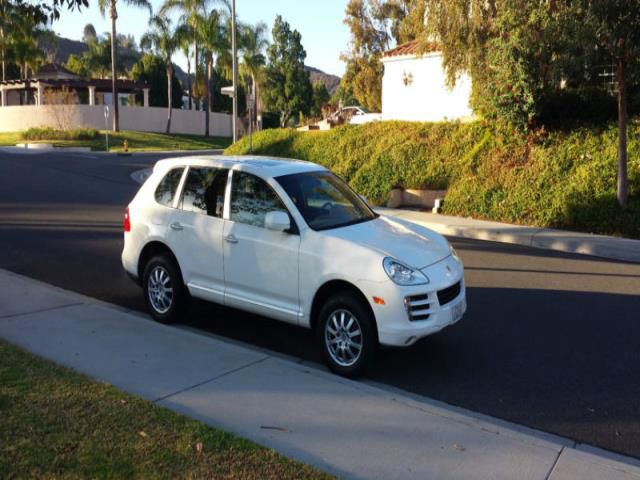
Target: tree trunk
{"x":195,"y":68}
{"x":169,"y":94}
{"x":189,"y":78}
{"x":114,"y":87}
{"x":2,"y":53}
{"x":207,"y":96}
{"x":622,"y":133}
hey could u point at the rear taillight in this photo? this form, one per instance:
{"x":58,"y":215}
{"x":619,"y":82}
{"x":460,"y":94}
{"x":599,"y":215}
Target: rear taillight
{"x":127,"y":221}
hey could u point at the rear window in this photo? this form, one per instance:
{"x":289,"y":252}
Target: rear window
{"x":166,"y":191}
{"x":203,"y":191}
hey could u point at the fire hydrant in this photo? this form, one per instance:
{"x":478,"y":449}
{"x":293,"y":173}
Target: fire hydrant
{"x":125,"y":145}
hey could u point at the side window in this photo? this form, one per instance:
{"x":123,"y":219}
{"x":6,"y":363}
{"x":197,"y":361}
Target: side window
{"x":166,"y":191}
{"x":251,"y":199}
{"x":203,"y":191}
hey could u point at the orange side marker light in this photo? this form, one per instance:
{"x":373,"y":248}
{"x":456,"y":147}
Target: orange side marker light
{"x":379,"y":301}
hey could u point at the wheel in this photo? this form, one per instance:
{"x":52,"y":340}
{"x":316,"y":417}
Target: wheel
{"x":163,"y":289}
{"x":347,"y":335}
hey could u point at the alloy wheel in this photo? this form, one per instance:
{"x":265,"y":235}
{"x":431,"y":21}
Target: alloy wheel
{"x":160,"y":290}
{"x":343,"y":338}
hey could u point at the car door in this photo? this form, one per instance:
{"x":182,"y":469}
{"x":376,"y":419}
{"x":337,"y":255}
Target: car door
{"x":196,"y":229}
{"x":260,"y":265}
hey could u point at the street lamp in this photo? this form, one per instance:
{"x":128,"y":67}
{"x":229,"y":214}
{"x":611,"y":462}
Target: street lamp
{"x":234,"y":48}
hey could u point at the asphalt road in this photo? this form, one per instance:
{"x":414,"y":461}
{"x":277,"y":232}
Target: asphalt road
{"x":551,"y":341}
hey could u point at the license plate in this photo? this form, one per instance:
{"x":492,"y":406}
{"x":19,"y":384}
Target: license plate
{"x":457,"y":311}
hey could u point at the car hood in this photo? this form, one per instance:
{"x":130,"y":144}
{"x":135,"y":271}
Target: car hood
{"x":416,"y":246}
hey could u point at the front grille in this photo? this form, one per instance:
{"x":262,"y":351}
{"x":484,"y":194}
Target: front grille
{"x":448,"y":294}
{"x":418,"y":307}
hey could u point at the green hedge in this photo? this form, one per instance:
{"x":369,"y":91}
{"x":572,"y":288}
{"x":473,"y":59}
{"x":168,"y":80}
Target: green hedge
{"x":565,"y":180}
{"x":48,"y":133}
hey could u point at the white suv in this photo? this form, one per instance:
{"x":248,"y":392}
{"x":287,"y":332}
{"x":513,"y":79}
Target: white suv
{"x":289,"y":240}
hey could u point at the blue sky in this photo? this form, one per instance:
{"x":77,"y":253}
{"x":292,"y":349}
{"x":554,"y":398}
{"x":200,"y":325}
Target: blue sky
{"x":324,"y":36}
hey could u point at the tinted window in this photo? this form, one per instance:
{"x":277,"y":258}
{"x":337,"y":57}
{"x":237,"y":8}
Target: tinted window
{"x":203,"y":191}
{"x":251,"y":199}
{"x":166,"y":191}
{"x":324,"y":200}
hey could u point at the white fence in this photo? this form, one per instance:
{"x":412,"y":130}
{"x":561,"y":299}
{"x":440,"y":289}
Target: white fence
{"x":145,"y":119}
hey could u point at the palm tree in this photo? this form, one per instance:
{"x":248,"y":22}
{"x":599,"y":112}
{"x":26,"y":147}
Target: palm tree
{"x":189,"y":11}
{"x":185,"y":46}
{"x":165,"y":41}
{"x":253,"y":41}
{"x":211,"y":34}
{"x":113,"y":13}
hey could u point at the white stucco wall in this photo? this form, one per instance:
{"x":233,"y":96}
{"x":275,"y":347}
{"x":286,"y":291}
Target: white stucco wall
{"x":425,"y":96}
{"x":152,"y":119}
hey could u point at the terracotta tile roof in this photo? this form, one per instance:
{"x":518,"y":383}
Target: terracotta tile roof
{"x":414,"y":47}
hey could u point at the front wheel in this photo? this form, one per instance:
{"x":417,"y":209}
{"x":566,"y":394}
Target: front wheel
{"x":163,"y":289}
{"x":347,"y":335}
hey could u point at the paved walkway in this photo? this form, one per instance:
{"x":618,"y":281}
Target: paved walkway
{"x":352,"y":429}
{"x":545,"y":238}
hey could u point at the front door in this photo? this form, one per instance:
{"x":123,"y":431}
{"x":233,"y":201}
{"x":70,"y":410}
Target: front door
{"x":260,"y":265}
{"x":195,"y":232}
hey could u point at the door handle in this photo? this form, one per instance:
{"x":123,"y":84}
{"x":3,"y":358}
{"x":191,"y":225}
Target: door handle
{"x":231,"y":238}
{"x":176,"y":226}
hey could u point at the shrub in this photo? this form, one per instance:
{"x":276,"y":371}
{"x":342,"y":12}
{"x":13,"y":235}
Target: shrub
{"x":566,"y":180}
{"x":48,"y":133}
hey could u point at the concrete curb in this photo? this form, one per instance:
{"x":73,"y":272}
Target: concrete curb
{"x":543,"y":238}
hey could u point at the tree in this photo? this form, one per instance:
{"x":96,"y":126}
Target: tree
{"x":616,"y":25}
{"x":189,"y":11}
{"x":89,"y":33}
{"x":320,"y":98}
{"x":287,"y":88}
{"x":213,"y":39}
{"x":370,"y":27}
{"x":253,"y":41}
{"x":165,"y":40}
{"x":153,"y":70}
{"x":113,"y":14}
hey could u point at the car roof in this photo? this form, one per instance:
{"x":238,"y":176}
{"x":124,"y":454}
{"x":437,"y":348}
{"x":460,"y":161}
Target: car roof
{"x":262,"y":166}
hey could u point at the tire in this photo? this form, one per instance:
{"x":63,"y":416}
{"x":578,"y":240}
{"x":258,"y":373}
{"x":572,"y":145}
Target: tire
{"x":164,"y":292}
{"x":347,"y":335}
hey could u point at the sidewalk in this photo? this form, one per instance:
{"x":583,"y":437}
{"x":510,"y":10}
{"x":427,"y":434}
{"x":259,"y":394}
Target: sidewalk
{"x":545,"y":238}
{"x":348,"y":428}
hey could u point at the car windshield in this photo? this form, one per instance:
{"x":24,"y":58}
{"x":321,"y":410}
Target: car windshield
{"x":324,"y":200}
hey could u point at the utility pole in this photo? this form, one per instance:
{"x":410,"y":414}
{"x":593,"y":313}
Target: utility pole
{"x":114,"y":88}
{"x":234,"y":48}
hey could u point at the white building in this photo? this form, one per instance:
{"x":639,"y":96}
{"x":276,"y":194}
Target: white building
{"x":414,"y":87}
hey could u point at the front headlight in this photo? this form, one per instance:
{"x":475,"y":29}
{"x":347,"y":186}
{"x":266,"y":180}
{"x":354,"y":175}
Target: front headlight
{"x":402,"y":274}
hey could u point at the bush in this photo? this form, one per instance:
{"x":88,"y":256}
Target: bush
{"x":48,"y":133}
{"x":566,"y":180}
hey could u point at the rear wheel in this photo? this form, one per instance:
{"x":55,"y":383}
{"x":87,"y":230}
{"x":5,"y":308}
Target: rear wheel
{"x":347,"y":334}
{"x":163,"y":289}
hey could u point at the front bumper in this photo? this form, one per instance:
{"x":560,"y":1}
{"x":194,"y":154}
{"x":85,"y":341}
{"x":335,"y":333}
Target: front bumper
{"x":393,"y":319}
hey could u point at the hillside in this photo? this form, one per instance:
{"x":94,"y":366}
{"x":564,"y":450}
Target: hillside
{"x":566,"y":181}
{"x":59,"y":53}
{"x":330,"y":81}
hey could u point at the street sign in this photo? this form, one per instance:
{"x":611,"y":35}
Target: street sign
{"x":228,"y":91}
{"x":106,"y":112}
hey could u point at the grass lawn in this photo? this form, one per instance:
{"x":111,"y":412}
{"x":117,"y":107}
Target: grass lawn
{"x":56,"y":423}
{"x":138,"y":141}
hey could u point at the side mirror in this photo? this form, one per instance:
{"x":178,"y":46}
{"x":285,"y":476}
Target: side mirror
{"x":277,"y":221}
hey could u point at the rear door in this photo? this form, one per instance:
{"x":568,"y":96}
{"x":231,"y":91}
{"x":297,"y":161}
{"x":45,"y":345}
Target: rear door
{"x":195,"y":232}
{"x":260,"y":265}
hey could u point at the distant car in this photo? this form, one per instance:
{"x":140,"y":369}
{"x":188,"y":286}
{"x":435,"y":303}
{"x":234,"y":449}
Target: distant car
{"x":354,"y":115}
{"x":291,"y":241}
